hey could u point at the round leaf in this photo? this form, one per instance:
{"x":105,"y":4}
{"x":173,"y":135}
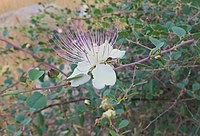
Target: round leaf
{"x":34,"y":74}
{"x":19,"y":117}
{"x":36,"y":100}
{"x":123,"y":124}
{"x":178,"y":31}
{"x":27,"y":121}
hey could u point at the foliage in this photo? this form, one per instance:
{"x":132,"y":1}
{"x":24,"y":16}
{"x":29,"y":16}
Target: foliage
{"x":157,"y":97}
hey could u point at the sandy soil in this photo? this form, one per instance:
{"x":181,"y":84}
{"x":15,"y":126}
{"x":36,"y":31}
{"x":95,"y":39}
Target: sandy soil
{"x":8,"y":5}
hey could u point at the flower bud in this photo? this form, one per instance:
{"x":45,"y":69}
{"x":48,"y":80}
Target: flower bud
{"x":53,"y":73}
{"x":106,"y":105}
{"x":87,"y":102}
{"x":109,"y":114}
{"x":148,"y":20}
{"x":59,"y":30}
{"x":157,"y":56}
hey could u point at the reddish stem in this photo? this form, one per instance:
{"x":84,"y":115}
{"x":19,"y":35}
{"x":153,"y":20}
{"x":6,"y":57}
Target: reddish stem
{"x":162,"y":52}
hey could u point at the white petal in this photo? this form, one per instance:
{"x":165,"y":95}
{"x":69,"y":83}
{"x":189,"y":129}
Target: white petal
{"x":115,"y":53}
{"x":83,"y":67}
{"x":75,"y":73}
{"x":104,"y":51}
{"x":103,"y":75}
{"x":80,"y":81}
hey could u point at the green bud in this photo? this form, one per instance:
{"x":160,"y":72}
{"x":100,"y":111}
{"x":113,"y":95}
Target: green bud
{"x":52,"y":73}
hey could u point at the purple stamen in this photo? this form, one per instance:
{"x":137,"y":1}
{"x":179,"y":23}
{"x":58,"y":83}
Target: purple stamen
{"x":76,"y":45}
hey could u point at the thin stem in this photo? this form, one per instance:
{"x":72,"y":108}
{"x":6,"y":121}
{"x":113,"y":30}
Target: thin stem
{"x":33,"y":55}
{"x":132,"y":84}
{"x":138,"y":43}
{"x":47,"y":88}
{"x":162,"y":52}
{"x":58,"y":104}
{"x":172,"y":106}
{"x":14,"y":84}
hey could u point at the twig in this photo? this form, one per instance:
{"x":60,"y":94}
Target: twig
{"x":132,"y":84}
{"x":194,"y":16}
{"x":174,"y":104}
{"x":162,"y":52}
{"x":14,"y":84}
{"x":58,"y":104}
{"x":110,"y":14}
{"x":138,"y":43}
{"x":46,"y":88}
{"x":33,"y":55}
{"x":166,"y":67}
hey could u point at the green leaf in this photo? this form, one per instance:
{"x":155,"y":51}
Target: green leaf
{"x":141,"y":83}
{"x":97,"y":11}
{"x":10,"y":128}
{"x":119,"y":111}
{"x":155,"y":41}
{"x":45,"y":84}
{"x":105,"y":121}
{"x":19,"y":118}
{"x":75,"y":77}
{"x":34,"y":74}
{"x":183,"y":83}
{"x":18,"y":133}
{"x":113,"y":133}
{"x":32,"y":110}
{"x":105,"y":24}
{"x":136,"y":34}
{"x":176,"y":55}
{"x":132,"y":94}
{"x":8,"y":81}
{"x":112,"y":96}
{"x":196,"y":36}
{"x":183,"y":110}
{"x":109,"y":10}
{"x":154,"y":50}
{"x":178,"y":31}
{"x":6,"y":32}
{"x":123,"y":124}
{"x":80,"y":108}
{"x":27,"y":121}
{"x":195,"y":86}
{"x":169,"y":25}
{"x":40,"y":119}
{"x":38,"y":130}
{"x":62,"y":66}
{"x":132,"y":20}
{"x":123,"y":34}
{"x":106,"y":92}
{"x":190,"y":93}
{"x":36,"y":100}
{"x":12,"y":92}
{"x":125,"y":132}
{"x":36,"y":49}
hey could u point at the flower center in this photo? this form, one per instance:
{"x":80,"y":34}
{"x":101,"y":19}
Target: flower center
{"x":99,"y":54}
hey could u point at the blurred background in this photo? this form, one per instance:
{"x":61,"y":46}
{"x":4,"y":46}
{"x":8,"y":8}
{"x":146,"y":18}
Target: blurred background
{"x":17,"y":13}
{"x":9,"y":5}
